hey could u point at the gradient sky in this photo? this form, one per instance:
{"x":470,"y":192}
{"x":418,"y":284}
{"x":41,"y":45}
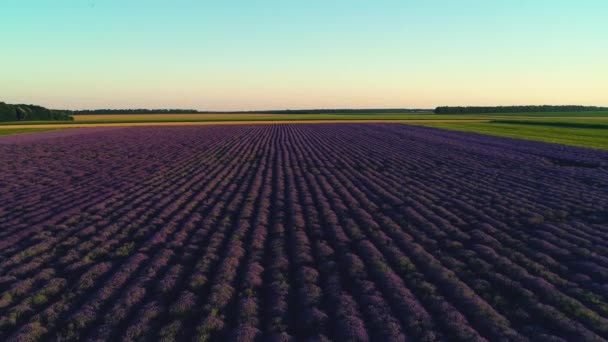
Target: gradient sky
{"x":277,"y":54}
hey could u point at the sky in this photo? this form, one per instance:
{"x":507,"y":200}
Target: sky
{"x":280,"y":54}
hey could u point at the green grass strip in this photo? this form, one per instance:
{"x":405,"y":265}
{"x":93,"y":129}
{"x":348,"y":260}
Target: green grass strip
{"x":567,"y":135}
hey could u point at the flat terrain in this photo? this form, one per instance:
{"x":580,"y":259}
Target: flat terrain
{"x":222,"y":117}
{"x":598,"y":114}
{"x":25,"y":129}
{"x":374,"y":232}
{"x":214,"y":123}
{"x":337,"y":116}
{"x":575,"y":132}
{"x":586,"y":129}
{"x":253,"y":117}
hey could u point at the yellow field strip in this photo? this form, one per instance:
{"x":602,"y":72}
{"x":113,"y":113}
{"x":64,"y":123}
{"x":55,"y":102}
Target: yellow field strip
{"x":207,"y":123}
{"x":168,"y":117}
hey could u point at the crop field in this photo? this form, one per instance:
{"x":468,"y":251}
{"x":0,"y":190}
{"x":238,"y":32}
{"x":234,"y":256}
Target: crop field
{"x":584,"y":129}
{"x":335,"y":116}
{"x":125,"y":118}
{"x":348,"y":232}
{"x":584,"y":114}
{"x":100,"y":119}
{"x":32,"y":125}
{"x":575,"y":132}
{"x":24,"y":130}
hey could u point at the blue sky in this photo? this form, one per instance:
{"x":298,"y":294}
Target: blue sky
{"x":225,"y":55}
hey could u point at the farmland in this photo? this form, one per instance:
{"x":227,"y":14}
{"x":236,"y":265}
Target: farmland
{"x":584,"y":129}
{"x":337,"y":231}
{"x":211,"y":117}
{"x":575,"y":132}
{"x":11,"y":131}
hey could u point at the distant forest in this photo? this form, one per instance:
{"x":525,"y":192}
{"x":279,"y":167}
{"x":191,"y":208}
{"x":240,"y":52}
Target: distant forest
{"x":517,"y":109}
{"x":283,"y":111}
{"x":341,"y":111}
{"x":23,"y":112}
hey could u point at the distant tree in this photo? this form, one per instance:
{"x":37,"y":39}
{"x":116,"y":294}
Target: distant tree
{"x":282,"y":111}
{"x":516,"y":109}
{"x":23,"y":112}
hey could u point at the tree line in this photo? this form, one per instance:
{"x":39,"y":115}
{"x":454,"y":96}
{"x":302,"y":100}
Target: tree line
{"x":277,"y":111}
{"x":516,"y":109}
{"x":134,"y":111}
{"x":23,"y":112}
{"x":341,"y":111}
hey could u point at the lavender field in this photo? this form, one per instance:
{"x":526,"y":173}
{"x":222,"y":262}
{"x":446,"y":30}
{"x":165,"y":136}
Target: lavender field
{"x":347,"y":232}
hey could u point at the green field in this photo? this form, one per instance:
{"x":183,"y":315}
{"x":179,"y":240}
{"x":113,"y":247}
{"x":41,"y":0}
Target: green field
{"x":588,"y":114}
{"x":575,"y":132}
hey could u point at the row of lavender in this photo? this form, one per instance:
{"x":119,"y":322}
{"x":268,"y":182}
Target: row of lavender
{"x":346,"y":232}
